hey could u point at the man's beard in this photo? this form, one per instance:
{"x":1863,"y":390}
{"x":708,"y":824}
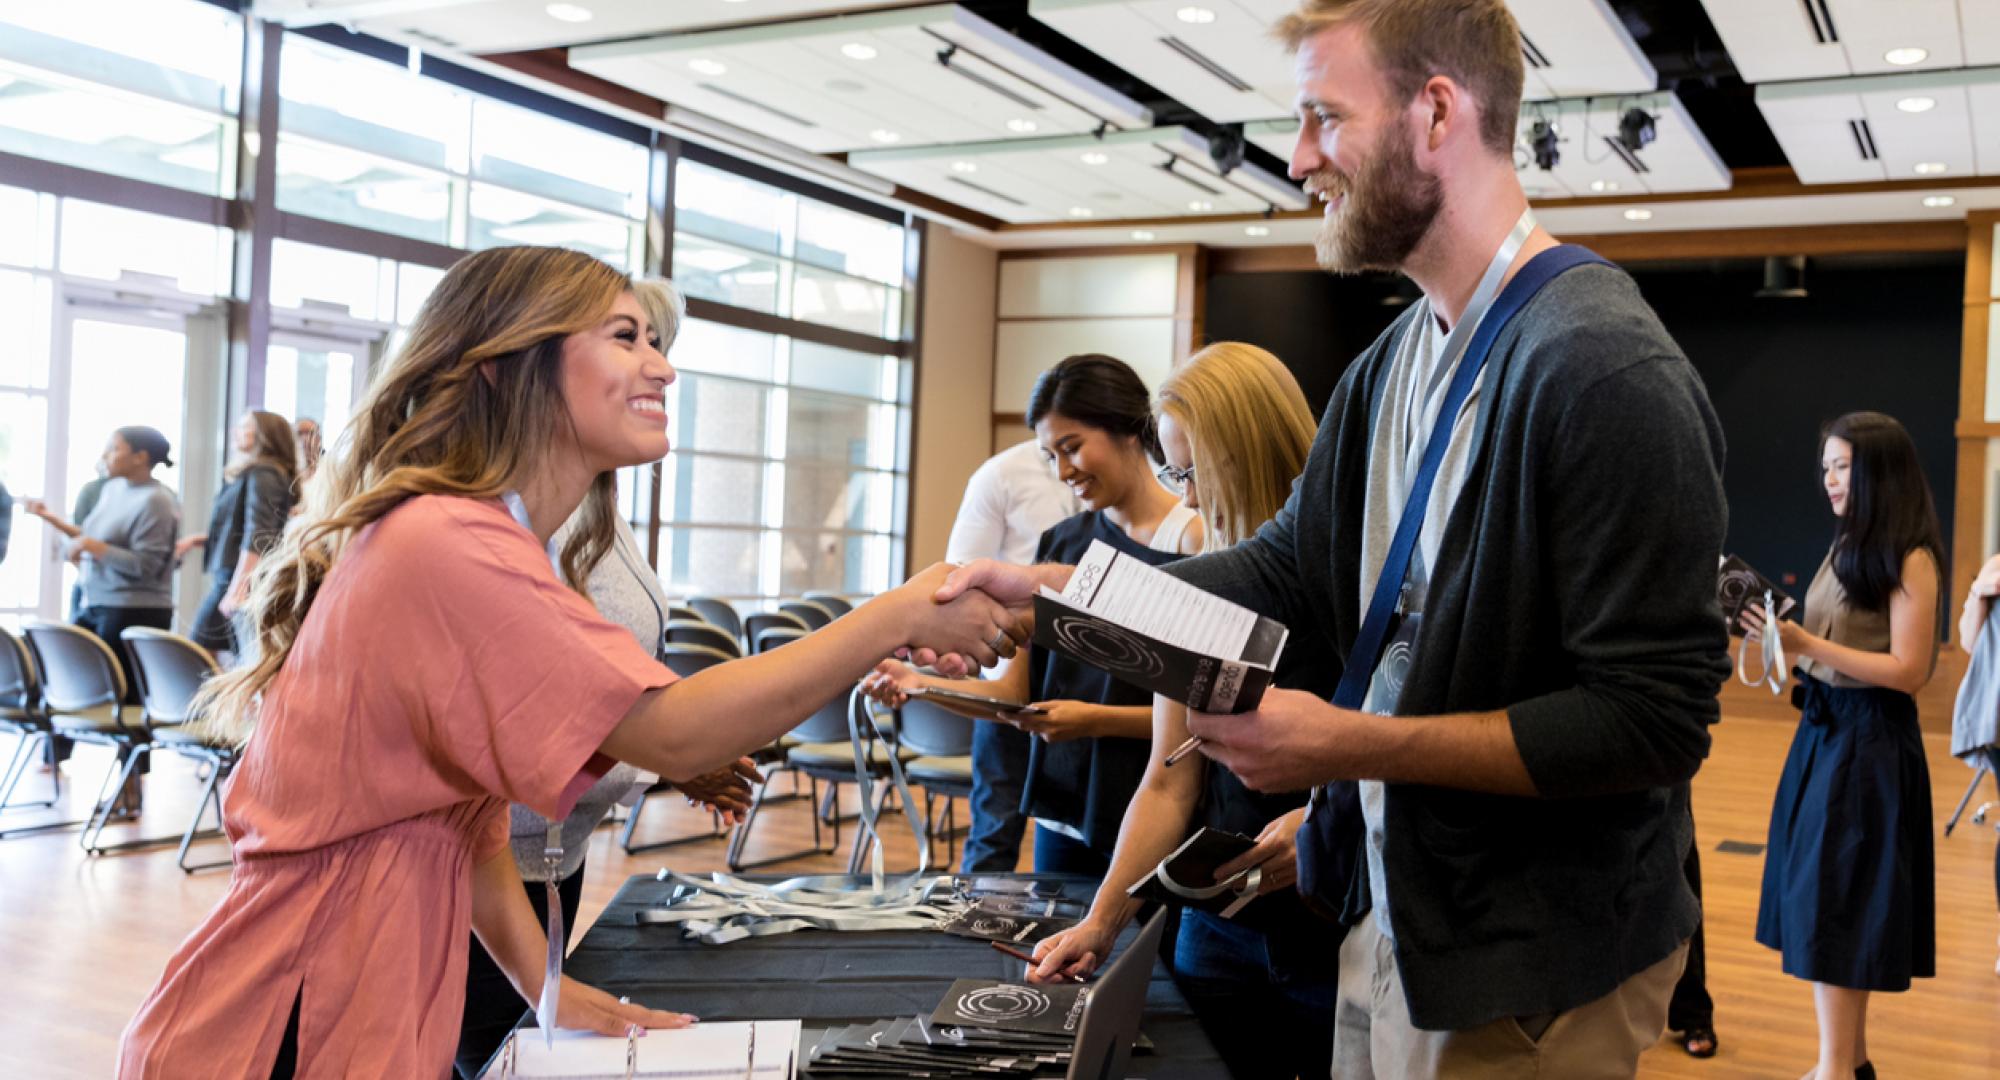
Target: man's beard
{"x":1388,"y":210}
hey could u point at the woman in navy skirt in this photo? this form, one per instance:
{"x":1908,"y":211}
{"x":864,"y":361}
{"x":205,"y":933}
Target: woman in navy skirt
{"x":1848,"y":892}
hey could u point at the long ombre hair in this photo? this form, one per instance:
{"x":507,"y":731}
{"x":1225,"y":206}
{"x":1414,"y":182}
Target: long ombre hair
{"x":1249,"y":428}
{"x":469,"y":408}
{"x":275,"y":447}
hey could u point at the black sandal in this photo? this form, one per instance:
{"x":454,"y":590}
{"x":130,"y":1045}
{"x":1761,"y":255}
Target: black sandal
{"x":1700,"y":1042}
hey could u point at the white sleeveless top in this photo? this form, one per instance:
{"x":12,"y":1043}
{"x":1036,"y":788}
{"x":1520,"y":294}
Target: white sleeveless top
{"x":1173,"y":528}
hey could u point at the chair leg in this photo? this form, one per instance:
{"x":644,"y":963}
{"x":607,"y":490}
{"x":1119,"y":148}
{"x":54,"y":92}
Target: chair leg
{"x":738,"y":841}
{"x":20,"y":776}
{"x":100,"y":815}
{"x":632,"y":823}
{"x":210,"y":793}
{"x":17,"y":767}
{"x":1970,"y":790}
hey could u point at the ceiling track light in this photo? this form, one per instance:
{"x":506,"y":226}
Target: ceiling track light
{"x":1543,"y":138}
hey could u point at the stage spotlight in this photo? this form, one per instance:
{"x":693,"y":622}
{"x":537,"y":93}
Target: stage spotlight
{"x":1542,"y":139}
{"x":1635,"y":129}
{"x":1226,"y":147}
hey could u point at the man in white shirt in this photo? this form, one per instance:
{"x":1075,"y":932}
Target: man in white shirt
{"x":1010,"y":501}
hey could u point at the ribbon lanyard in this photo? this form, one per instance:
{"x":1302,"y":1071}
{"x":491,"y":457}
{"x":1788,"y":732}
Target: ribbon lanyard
{"x":1774,"y":672}
{"x":1542,"y":269}
{"x":552,"y":847}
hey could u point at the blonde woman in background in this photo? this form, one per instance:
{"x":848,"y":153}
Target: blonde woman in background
{"x":1236,"y":429}
{"x":426,"y":656}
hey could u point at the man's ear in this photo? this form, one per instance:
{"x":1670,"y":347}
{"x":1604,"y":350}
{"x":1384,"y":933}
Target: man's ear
{"x":1447,"y":106}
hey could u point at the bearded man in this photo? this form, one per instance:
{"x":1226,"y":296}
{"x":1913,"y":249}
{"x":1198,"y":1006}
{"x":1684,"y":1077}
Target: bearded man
{"x":1524,"y":729}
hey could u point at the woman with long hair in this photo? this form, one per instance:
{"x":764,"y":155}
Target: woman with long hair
{"x":259,"y":488}
{"x":1236,"y":430}
{"x":1848,"y":896}
{"x":1078,"y":758}
{"x":426,"y":657}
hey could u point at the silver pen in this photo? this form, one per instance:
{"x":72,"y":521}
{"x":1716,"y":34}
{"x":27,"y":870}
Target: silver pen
{"x":1184,"y":749}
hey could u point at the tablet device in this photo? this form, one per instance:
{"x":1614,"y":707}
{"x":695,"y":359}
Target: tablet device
{"x":976,"y":701}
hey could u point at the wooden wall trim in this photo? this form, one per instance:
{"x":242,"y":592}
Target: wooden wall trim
{"x":1973,"y":429}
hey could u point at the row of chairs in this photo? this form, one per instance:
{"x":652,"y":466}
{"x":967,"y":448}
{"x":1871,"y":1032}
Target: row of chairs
{"x":59,"y":681}
{"x":705,"y":620}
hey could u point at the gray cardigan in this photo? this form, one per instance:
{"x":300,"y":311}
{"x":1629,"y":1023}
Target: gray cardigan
{"x":1575,"y":590}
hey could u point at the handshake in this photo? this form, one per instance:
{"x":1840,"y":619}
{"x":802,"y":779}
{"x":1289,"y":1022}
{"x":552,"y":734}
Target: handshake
{"x":969,"y":617}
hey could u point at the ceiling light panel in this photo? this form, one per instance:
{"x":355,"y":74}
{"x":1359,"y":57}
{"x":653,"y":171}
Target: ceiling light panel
{"x":482,"y":26}
{"x":1846,"y":130}
{"x":1678,"y":159}
{"x":1775,"y":40}
{"x":1585,"y":47}
{"x":791,"y":81}
{"x":1035,"y":180}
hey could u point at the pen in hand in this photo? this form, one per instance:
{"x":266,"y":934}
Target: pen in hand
{"x":1029,"y":960}
{"x":1184,"y":749}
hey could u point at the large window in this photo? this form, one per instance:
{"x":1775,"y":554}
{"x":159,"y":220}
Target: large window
{"x":791,"y":460}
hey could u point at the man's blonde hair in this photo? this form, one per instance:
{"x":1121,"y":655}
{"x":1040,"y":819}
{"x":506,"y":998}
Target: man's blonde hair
{"x":1475,"y":43}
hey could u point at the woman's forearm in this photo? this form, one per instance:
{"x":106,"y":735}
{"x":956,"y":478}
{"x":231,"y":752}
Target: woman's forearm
{"x":506,"y":924}
{"x":1124,"y":722}
{"x":1883,"y":669}
{"x":1156,"y":820}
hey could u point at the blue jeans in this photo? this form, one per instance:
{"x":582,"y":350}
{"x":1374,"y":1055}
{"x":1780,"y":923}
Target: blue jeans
{"x":999,"y":769}
{"x":1268,"y":1017}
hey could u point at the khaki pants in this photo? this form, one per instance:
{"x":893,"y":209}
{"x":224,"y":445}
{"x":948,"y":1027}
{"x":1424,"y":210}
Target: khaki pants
{"x":1373,"y":1037}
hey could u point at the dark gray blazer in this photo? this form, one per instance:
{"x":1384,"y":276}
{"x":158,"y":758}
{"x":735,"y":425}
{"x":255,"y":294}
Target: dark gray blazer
{"x":1575,"y":590}
{"x":250,"y":514}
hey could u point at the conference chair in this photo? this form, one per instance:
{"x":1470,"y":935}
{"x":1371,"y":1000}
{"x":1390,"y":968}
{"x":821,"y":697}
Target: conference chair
{"x":704,"y":633}
{"x":812,"y":614}
{"x":685,"y":613}
{"x":683,"y":660}
{"x":22,"y":715}
{"x":720,"y":612}
{"x":84,"y":692}
{"x":837,"y":605}
{"x":170,"y":669}
{"x":754,"y":626}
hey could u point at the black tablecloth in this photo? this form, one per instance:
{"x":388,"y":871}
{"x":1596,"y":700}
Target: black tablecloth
{"x":826,"y":978}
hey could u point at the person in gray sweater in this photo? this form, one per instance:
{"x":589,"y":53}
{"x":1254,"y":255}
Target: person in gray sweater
{"x":1513,"y":885}
{"x":125,"y":549}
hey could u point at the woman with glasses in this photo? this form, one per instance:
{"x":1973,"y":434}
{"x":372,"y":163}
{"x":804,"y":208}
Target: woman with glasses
{"x":1082,"y":751}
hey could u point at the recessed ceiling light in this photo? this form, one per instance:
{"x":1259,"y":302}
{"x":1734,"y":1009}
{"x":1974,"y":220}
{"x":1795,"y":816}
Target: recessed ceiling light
{"x":568,"y":12}
{"x":1197,"y":15}
{"x":964,"y":167}
{"x":1198,"y":205}
{"x":884,"y":135}
{"x":1020,"y":126}
{"x":705,"y":66}
{"x":1095,"y":158}
{"x":1638,"y":215}
{"x":1079,"y":211}
{"x":1256,"y":230}
{"x":855,"y":50}
{"x":1142,"y":234}
{"x":1937,"y":202}
{"x":1604,"y":185}
{"x":1917,"y":104}
{"x":1906,"y":56}
{"x":1929,"y":168}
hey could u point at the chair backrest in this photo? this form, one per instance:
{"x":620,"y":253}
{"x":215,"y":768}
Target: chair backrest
{"x":838,"y":605}
{"x":685,"y":660}
{"x":755,"y":625}
{"x":771,"y":638}
{"x":19,"y":686}
{"x":933,"y":731}
{"x":169,"y":669}
{"x":79,"y":671}
{"x":685,"y":613}
{"x":813,"y":615}
{"x":700,"y":632}
{"x":828,"y":723}
{"x":720,"y":612}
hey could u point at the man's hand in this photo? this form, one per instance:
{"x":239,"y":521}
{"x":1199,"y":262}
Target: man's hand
{"x":1291,"y":742}
{"x":1276,"y":854}
{"x":727,"y":790}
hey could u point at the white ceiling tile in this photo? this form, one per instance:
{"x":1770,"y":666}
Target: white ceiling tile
{"x":1587,"y":49}
{"x":1868,"y":29}
{"x":1961,"y":130}
{"x":792,"y":82}
{"x":1773,"y":39}
{"x":1813,"y":123}
{"x":1979,"y":28}
{"x":507,"y":25}
{"x":1227,"y":69}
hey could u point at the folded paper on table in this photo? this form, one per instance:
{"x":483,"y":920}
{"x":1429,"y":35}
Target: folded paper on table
{"x":717,"y":1050}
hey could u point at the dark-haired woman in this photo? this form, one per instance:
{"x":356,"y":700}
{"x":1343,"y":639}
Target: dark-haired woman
{"x":258,"y":490}
{"x":1848,"y":891}
{"x":1093,"y":417}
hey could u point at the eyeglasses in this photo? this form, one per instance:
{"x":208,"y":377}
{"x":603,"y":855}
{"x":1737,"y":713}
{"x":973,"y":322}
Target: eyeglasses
{"x":1176,"y":479}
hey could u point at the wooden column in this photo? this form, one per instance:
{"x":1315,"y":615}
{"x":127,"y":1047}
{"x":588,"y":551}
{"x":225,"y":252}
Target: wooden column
{"x":1974,"y":430}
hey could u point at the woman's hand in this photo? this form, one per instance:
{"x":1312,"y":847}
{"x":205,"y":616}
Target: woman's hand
{"x":974,"y":625}
{"x":727,"y":790}
{"x":582,"y":1007}
{"x":1059,"y":721}
{"x":1076,"y":951}
{"x":41,"y":510}
{"x":1276,"y":854}
{"x":891,"y":682}
{"x":188,"y":543}
{"x":76,"y":549}
{"x":1792,"y":637}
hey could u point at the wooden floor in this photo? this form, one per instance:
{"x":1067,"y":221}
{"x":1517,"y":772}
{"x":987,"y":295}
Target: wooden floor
{"x":82,"y":939}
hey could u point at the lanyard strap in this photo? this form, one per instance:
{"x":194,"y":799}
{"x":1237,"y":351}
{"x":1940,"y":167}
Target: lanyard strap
{"x":1367,"y":649}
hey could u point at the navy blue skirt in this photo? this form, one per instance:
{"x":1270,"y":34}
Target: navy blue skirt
{"x":1849,"y":892}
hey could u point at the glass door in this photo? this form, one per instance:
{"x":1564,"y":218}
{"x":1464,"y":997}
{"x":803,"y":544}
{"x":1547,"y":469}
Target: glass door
{"x":316,"y":378}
